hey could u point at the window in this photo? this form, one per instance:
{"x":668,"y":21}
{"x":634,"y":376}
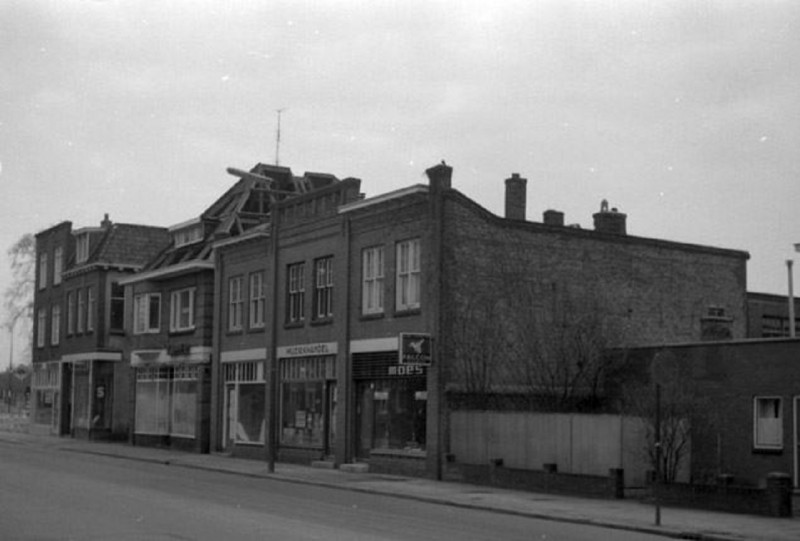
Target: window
{"x":70,"y":313}
{"x":189,"y":235}
{"x":235,"y":304}
{"x":147,"y":313}
{"x":297,"y":293}
{"x":58,"y":265}
{"x":245,"y":399}
{"x":82,"y":248}
{"x":42,"y":270}
{"x":55,"y":325}
{"x":117,"y":308}
{"x":41,"y":326}
{"x":81,"y":310}
{"x":91,"y":308}
{"x":166,"y":400}
{"x":768,"y":423}
{"x":372,"y":281}
{"x":182,"y":310}
{"x":408,"y":274}
{"x":323,"y":288}
{"x":257,"y":300}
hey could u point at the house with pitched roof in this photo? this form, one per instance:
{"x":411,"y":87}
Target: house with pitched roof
{"x":80,"y":382}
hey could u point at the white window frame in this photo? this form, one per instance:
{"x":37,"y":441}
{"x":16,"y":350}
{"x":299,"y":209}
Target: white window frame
{"x":142,"y":304}
{"x":41,"y":327}
{"x":81,"y":294}
{"x":58,"y":264}
{"x":323,"y":288}
{"x":178,"y":310}
{"x":257,"y":300}
{"x":768,"y":429}
{"x":235,"y":303}
{"x":408,"y":275}
{"x":70,"y":313}
{"x":82,"y":248}
{"x":372,"y":276}
{"x":43,"y":270}
{"x":295,"y":312}
{"x":55,"y":325}
{"x":91,"y":308}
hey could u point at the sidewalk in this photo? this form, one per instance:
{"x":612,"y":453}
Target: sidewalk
{"x":619,"y":514}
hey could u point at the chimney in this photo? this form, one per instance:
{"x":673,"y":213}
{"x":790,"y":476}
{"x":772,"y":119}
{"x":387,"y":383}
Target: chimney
{"x":516,"y":190}
{"x":610,"y":221}
{"x":440,"y":176}
{"x":106,"y":223}
{"x":553,"y":217}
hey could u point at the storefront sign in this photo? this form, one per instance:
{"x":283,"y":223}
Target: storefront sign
{"x":305,"y":350}
{"x":406,"y":370}
{"x":415,"y":348}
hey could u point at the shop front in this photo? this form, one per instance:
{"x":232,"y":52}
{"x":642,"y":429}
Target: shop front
{"x":244,"y":426}
{"x":46,"y":390}
{"x":171,"y":404}
{"x":308,"y":401}
{"x":391,"y":409}
{"x":88,"y":385}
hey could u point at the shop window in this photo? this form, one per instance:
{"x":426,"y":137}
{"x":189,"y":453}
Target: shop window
{"x":372,"y":281}
{"x":768,"y":423}
{"x":166,"y":400}
{"x":80,"y":391}
{"x":393,"y":415}
{"x":302,"y":414}
{"x":245,"y":402}
{"x":184,"y":401}
{"x":408,"y":275}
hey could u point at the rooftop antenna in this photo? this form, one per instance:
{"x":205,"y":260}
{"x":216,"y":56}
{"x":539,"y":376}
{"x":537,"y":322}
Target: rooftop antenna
{"x":278,"y":138}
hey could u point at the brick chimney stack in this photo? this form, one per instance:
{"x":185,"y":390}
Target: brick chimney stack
{"x":610,"y":221}
{"x":516,"y":196}
{"x":440,"y":176}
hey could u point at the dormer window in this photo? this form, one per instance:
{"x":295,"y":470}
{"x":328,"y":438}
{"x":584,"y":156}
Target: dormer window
{"x":82,"y":248}
{"x":187,"y":235}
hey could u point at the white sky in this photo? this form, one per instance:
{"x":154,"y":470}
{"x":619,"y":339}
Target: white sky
{"x":683,"y":114}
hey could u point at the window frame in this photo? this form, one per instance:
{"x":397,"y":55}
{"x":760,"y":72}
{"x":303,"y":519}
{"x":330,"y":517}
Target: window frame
{"x":759,"y":421}
{"x":257,"y":301}
{"x":323,"y":288}
{"x":91,"y":308}
{"x":81,"y":314}
{"x":41,"y":327}
{"x":295,"y":293}
{"x":70,"y":313}
{"x":55,"y":324}
{"x":177,"y":310}
{"x":373,"y":274}
{"x":145,"y":301}
{"x":58,"y":264}
{"x":82,"y":248}
{"x":43,"y":262}
{"x":408,"y":274}
{"x":235,"y":304}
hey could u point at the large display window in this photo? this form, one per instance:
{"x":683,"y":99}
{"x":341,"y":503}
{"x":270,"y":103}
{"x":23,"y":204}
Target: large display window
{"x":166,"y":400}
{"x":308,"y":402}
{"x":246,"y":400}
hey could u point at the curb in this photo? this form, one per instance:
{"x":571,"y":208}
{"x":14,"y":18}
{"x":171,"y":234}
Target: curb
{"x":652,"y":530}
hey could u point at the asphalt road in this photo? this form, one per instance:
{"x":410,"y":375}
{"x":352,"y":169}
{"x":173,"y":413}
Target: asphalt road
{"x":47,"y":494}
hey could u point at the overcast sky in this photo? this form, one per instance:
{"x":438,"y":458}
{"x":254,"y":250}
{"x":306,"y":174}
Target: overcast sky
{"x":683,"y":114}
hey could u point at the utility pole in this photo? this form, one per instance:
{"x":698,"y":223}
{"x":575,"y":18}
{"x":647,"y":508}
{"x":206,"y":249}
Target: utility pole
{"x":278,"y":138}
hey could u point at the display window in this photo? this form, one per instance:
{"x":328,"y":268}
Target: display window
{"x":246,"y":402}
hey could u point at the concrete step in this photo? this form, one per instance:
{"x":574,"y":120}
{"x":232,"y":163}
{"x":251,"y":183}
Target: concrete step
{"x":356,"y":467}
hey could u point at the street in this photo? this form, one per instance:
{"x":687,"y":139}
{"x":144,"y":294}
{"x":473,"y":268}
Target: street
{"x":54,"y":494}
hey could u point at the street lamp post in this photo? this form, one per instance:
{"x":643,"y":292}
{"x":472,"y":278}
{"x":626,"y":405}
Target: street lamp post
{"x":789,"y":263}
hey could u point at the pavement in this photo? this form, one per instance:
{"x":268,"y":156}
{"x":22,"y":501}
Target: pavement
{"x":630,"y":515}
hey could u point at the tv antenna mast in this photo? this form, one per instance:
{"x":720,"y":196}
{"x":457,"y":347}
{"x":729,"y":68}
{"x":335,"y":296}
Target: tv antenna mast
{"x":278,"y":138}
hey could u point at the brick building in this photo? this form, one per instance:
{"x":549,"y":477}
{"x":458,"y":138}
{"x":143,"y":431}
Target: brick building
{"x":80,"y":382}
{"x":768,"y":315}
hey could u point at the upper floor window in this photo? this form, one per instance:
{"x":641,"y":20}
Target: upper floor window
{"x":147,"y":313}
{"x":182,"y":310}
{"x":235,"y":304}
{"x":296,"y":293}
{"x":91,"y":308}
{"x":323,"y":288}
{"x":43,"y":270}
{"x":117,"y":308}
{"x":768,"y":422}
{"x":70,"y":313}
{"x":372,"y":280}
{"x":408,"y":274}
{"x":41,"y":327}
{"x":257,"y":300}
{"x":81,"y":310}
{"x":58,"y":265}
{"x":55,"y":325}
{"x":188,"y":235}
{"x":82,"y":248}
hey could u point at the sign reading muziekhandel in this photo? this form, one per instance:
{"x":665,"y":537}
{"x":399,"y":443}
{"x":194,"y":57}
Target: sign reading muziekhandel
{"x":415,"y":348}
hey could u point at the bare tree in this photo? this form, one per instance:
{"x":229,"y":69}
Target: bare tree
{"x":18,"y":296}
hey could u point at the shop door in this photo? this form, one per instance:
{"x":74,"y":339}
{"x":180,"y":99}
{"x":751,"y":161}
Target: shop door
{"x":797,"y":442}
{"x":330,"y":418}
{"x":65,"y":421}
{"x":230,"y":417}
